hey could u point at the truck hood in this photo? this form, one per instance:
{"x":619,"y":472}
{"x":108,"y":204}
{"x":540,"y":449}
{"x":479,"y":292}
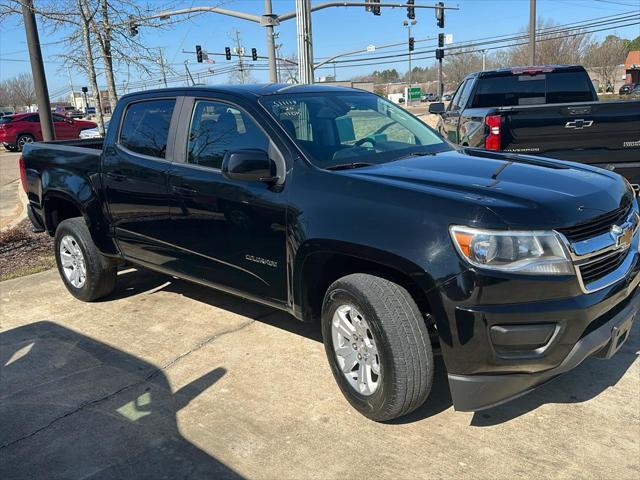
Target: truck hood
{"x":523,"y":191}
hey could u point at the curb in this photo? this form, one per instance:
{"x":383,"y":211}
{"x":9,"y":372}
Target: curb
{"x":21,"y":213}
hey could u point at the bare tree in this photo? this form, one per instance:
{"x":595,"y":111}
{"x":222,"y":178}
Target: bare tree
{"x":554,"y":47}
{"x":458,"y":64}
{"x":18,"y":91}
{"x":605,"y":57}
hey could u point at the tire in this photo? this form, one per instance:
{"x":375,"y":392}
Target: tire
{"x":99,"y":279}
{"x":23,"y":139}
{"x":396,"y":331}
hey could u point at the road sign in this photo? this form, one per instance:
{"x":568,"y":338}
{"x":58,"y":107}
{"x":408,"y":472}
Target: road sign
{"x":414,"y":93}
{"x":371,"y":48}
{"x":448,"y":38}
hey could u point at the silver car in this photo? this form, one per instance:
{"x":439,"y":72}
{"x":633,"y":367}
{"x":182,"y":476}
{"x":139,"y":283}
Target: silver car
{"x":93,"y":132}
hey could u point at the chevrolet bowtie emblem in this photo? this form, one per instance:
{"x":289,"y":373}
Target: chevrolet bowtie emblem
{"x":579,"y":124}
{"x":622,"y":236}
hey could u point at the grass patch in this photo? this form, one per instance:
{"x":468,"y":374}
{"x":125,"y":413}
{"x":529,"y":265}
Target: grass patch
{"x":23,"y":252}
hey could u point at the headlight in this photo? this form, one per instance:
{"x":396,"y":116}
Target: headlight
{"x":528,"y":252}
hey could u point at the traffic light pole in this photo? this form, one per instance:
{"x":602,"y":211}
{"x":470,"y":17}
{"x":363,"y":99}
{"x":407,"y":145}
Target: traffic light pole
{"x":269,"y":20}
{"x":271,"y":43}
{"x":37,"y":70}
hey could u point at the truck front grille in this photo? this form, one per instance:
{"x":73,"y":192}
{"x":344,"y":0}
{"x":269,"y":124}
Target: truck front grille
{"x":596,"y":226}
{"x":601,"y":266}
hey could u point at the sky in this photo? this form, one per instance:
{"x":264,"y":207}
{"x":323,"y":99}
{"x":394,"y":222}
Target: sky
{"x":335,"y":30}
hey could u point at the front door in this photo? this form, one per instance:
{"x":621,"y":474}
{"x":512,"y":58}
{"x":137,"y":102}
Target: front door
{"x":451,"y":116}
{"x":64,"y":128}
{"x":135,"y":168}
{"x":227,"y":232}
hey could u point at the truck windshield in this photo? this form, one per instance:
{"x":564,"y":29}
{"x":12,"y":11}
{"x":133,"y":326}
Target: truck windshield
{"x":335,"y":129}
{"x":507,"y":89}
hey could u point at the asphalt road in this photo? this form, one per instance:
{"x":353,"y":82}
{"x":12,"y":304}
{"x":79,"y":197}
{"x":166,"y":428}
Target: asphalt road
{"x":166,"y":379}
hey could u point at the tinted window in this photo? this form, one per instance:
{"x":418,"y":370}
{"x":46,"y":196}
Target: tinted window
{"x":145,"y":128}
{"x":455,"y":101}
{"x":217,"y":128}
{"x":568,"y":87}
{"x":58,"y":118}
{"x":31,"y":118}
{"x":551,"y":87}
{"x":337,"y":130}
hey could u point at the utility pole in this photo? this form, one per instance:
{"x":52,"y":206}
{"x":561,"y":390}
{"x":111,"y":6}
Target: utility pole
{"x":532,"y":32}
{"x":410,"y":44}
{"x":239,"y":51}
{"x":305,"y":49}
{"x":37,"y":70}
{"x":188,"y":76}
{"x":484,"y":58}
{"x":164,"y":73}
{"x":271,"y":41}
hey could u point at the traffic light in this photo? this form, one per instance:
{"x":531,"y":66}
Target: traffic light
{"x":373,"y":8}
{"x":411,"y":44}
{"x":439,"y":53}
{"x":440,"y":14}
{"x":411,"y":11}
{"x":254,"y":54}
{"x":199,"y":53}
{"x":441,"y":40}
{"x":227,"y":53}
{"x":133,"y":27}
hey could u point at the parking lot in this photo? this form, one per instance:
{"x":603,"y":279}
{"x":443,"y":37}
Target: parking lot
{"x":166,"y":379}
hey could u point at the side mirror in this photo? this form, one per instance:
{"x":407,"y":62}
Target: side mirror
{"x":69,"y":120}
{"x":436,"y":108}
{"x":249,"y":165}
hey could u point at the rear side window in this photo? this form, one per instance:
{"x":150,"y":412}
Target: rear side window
{"x":552,"y":87}
{"x":145,"y":128}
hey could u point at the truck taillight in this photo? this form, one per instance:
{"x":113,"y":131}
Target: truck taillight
{"x":493,"y":141}
{"x":23,"y":174}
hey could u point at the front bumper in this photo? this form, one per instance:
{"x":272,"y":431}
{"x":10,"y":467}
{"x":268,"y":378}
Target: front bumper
{"x":477,"y":392}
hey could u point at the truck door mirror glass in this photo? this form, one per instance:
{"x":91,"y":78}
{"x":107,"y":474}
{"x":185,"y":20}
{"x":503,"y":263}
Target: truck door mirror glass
{"x":249,"y":165}
{"x":436,"y":108}
{"x":346,"y":133}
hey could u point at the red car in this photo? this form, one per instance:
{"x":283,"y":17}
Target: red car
{"x":22,"y":128}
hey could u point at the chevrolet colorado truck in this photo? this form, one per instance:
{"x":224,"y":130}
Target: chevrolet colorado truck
{"x":550,"y":110}
{"x":337,"y":206}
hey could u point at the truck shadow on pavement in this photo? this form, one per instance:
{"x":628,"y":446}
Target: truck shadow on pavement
{"x":73,"y":407}
{"x":587,"y":381}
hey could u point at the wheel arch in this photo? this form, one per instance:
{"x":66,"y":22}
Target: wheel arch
{"x":319,"y":263}
{"x":59,"y":205}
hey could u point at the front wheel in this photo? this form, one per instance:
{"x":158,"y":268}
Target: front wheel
{"x":87,"y":274}
{"x":377,"y":345}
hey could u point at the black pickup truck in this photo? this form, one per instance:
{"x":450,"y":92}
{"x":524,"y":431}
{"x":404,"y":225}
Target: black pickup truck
{"x":550,"y":110}
{"x":337,"y":206}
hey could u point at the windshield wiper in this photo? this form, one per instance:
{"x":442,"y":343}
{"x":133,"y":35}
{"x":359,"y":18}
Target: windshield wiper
{"x":346,"y":166}
{"x":414,"y":154}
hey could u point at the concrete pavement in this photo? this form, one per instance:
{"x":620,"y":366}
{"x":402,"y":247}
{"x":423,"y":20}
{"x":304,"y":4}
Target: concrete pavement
{"x":11,"y":195}
{"x":166,"y":379}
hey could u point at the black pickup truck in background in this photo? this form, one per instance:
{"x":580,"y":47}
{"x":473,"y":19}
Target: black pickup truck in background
{"x":552,"y":111}
{"x":337,"y":206}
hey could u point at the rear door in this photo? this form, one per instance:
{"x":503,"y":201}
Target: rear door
{"x":136,"y":161}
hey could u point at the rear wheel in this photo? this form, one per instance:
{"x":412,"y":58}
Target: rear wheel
{"x":23,"y":139}
{"x":87,"y":274}
{"x":377,"y":345}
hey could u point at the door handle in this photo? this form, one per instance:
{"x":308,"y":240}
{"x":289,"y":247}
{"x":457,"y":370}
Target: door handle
{"x":185,"y":190}
{"x":116,"y":176}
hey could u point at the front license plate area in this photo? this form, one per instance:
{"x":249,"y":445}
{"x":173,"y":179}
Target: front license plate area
{"x":619,"y":335}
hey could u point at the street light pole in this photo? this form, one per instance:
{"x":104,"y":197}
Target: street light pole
{"x":409,"y":25}
{"x":305,"y":49}
{"x":271,"y":43}
{"x":37,"y":70}
{"x":484,"y":57}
